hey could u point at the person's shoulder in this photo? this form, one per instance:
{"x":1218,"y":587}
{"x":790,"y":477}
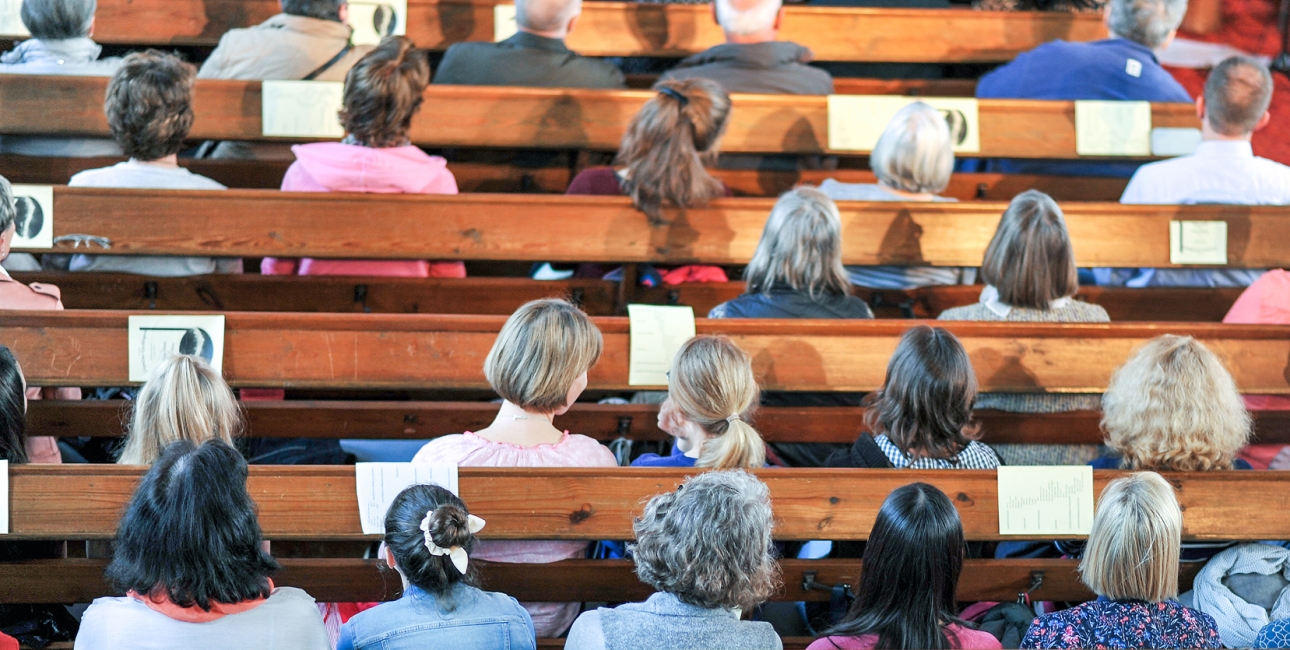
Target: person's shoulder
{"x":975,"y":311}
{"x":501,"y":604}
{"x":1086,"y":312}
{"x":97,"y":177}
{"x":966,"y":638}
{"x":597,"y":73}
{"x":596,"y":181}
{"x":760,"y":633}
{"x":844,"y":643}
{"x":198,"y":182}
{"x":444,"y":449}
{"x":589,"y":449}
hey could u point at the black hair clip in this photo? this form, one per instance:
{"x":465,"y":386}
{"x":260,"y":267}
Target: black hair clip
{"x":674,"y":94}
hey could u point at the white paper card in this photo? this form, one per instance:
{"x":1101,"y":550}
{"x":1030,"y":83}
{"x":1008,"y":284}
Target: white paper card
{"x":504,"y":23}
{"x":35,"y":219}
{"x":857,"y":121}
{"x":1198,"y":242}
{"x":657,"y":333}
{"x":302,"y":109}
{"x":1108,"y":128}
{"x":11,"y":19}
{"x":378,"y":483}
{"x":154,"y":339}
{"x":1045,"y":500}
{"x":4,"y":497}
{"x":1169,"y":141}
{"x":373,"y":20}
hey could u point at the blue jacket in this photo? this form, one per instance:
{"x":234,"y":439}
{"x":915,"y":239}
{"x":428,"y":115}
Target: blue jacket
{"x":464,"y":619}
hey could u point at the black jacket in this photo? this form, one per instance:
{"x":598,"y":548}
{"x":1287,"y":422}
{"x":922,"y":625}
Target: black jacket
{"x":525,"y":60}
{"x":778,"y":68}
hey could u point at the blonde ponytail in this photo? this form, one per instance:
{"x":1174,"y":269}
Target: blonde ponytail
{"x":712,"y":385}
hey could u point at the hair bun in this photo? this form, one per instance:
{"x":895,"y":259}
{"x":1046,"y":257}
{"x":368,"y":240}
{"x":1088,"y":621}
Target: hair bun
{"x":450,"y":526}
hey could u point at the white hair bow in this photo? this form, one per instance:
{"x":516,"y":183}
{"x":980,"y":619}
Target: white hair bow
{"x":457,"y":554}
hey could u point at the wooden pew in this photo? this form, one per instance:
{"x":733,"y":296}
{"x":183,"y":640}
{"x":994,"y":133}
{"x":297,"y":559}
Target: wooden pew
{"x":355,"y":351}
{"x":502,"y":227}
{"x":629,"y":29}
{"x":474,"y":116}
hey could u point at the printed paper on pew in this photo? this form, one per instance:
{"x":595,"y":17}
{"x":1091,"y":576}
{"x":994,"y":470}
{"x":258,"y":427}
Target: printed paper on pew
{"x":154,"y":339}
{"x":11,"y":19}
{"x":656,"y":334}
{"x":378,"y":483}
{"x":34,"y":223}
{"x":302,"y":109}
{"x":857,"y":121}
{"x":373,"y":20}
{"x":1198,"y":242}
{"x":4,"y":497}
{"x":504,"y":22}
{"x":1106,"y":128}
{"x":1045,"y":500}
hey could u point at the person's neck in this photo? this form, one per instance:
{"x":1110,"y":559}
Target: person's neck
{"x":1208,"y":134}
{"x":170,"y":162}
{"x":557,"y":34}
{"x":768,"y":36}
{"x":516,"y":426}
{"x":912,"y":196}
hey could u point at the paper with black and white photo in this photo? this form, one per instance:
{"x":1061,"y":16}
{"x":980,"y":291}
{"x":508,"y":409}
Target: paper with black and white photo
{"x":154,"y":339}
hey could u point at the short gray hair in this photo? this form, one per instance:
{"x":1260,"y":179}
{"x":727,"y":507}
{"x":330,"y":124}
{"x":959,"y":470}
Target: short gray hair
{"x":915,"y":153}
{"x":800,"y":247}
{"x":756,"y":16}
{"x":320,"y":9}
{"x":546,"y":15}
{"x":57,"y":20}
{"x":1148,"y":22}
{"x":1237,"y":95}
{"x":8,"y":205}
{"x":709,"y":542}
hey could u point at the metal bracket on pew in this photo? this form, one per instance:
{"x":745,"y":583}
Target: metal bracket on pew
{"x":1036,"y":581}
{"x":809,"y":583}
{"x":150,"y":294}
{"x":576,"y":297}
{"x":622,"y":445}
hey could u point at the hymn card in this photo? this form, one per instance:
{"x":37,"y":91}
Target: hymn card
{"x":302,"y":109}
{"x":153,"y":339}
{"x":34,"y":223}
{"x":857,"y":121}
{"x":656,"y":335}
{"x":378,"y":483}
{"x":373,"y":20}
{"x":11,"y":19}
{"x":1105,"y":128}
{"x":504,"y":23}
{"x":1045,"y":500}
{"x":1198,"y":242}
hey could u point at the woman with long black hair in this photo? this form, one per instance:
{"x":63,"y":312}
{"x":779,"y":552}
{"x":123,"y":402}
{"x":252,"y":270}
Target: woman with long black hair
{"x":909,"y":579}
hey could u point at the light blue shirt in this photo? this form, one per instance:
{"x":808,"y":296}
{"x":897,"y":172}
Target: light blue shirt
{"x":465,"y":618}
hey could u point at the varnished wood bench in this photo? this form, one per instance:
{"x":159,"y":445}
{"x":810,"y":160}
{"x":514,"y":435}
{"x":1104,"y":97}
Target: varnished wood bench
{"x":629,"y":29}
{"x":477,"y":116}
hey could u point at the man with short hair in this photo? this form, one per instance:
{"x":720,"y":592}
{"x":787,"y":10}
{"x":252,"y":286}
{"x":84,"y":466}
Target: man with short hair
{"x":535,"y":56}
{"x":1223,"y":169}
{"x":752,"y":60}
{"x":308,"y":39}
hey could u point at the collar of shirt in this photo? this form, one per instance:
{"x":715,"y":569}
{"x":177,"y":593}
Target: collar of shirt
{"x":990,"y":298}
{"x":525,"y":39}
{"x":4,"y":275}
{"x":1138,"y":48}
{"x":1225,"y":149}
{"x":309,"y":25}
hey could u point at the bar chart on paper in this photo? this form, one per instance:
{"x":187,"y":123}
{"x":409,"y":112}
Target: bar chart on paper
{"x":1045,"y":500}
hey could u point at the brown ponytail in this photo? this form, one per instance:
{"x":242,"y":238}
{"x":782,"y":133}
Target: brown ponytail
{"x":383,"y":91}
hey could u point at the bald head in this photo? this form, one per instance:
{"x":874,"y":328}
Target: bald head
{"x":1237,"y":95}
{"x":546,"y":17}
{"x":747,"y":17}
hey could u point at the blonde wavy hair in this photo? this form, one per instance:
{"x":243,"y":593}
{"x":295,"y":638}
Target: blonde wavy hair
{"x":184,"y":399}
{"x":1174,"y":407}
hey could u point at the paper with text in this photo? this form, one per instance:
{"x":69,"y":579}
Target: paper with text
{"x":4,"y":497}
{"x":11,"y":19}
{"x":1107,"y":128}
{"x":34,"y":223}
{"x":656,"y":334}
{"x":1045,"y":500}
{"x":504,"y":22}
{"x":302,"y":109}
{"x":378,"y":483}
{"x":857,"y":121}
{"x":154,"y":339}
{"x":1198,"y":242}
{"x":1169,"y":141}
{"x":373,"y":20}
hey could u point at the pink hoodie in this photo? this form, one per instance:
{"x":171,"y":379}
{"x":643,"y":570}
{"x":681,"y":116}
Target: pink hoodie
{"x":336,"y":167}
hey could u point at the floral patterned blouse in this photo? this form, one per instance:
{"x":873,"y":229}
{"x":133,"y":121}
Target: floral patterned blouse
{"x":1106,"y":623}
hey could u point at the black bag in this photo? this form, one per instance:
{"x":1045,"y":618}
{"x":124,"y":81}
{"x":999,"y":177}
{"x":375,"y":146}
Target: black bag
{"x":1008,"y":622}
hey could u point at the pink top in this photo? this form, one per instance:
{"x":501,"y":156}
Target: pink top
{"x":337,"y":167}
{"x":960,"y":637}
{"x":470,"y":450}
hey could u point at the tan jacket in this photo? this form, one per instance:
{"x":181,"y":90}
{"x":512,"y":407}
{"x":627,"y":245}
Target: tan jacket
{"x":16,"y":295}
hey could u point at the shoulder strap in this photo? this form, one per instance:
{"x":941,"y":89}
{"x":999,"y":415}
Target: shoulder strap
{"x":869,"y":451}
{"x":330,"y":62}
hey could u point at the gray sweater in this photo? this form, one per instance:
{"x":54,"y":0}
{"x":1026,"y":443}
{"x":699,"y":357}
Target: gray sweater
{"x":665,"y":623}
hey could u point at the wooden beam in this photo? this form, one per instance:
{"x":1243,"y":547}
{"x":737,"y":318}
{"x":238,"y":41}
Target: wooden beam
{"x":964,"y":187}
{"x":629,"y":29}
{"x":317,"y":503}
{"x":479,"y":116}
{"x":351,"y":351}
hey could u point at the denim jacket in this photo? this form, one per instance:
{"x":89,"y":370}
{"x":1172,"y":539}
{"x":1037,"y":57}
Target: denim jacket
{"x":465,"y":618}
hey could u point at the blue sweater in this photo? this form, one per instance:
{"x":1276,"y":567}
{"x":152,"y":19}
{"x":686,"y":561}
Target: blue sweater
{"x":675,"y":459}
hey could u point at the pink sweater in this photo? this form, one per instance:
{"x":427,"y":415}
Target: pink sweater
{"x":959,"y":638}
{"x":336,"y":167}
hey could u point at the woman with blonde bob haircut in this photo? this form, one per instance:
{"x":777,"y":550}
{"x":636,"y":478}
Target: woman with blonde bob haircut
{"x":711,"y":396}
{"x":184,"y":399}
{"x":1131,"y":563}
{"x":539,"y":368}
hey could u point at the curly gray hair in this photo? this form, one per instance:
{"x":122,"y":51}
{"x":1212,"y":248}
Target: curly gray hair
{"x":709,"y":542}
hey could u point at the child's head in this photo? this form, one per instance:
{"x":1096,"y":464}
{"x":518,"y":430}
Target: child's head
{"x":150,"y":104}
{"x":184,"y":399}
{"x":383,"y":91}
{"x":430,"y":535}
{"x":541,"y":357}
{"x":925,"y":405}
{"x":712,"y":387}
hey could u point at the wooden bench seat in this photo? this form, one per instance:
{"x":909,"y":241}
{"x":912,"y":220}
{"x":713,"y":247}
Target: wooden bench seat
{"x":629,"y":29}
{"x":478,"y":116}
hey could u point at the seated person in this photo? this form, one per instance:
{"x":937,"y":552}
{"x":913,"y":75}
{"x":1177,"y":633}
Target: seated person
{"x":309,"y":41}
{"x":190,"y":558}
{"x":916,"y":543}
{"x":1131,"y":563}
{"x":707,"y":549}
{"x":60,"y":44}
{"x":149,"y":109}
{"x":922,"y":416}
{"x":711,"y":395}
{"x":913,"y":160}
{"x":753,"y":60}
{"x":184,"y":399}
{"x":1223,"y":169}
{"x":429,"y":541}
{"x":535,"y":56}
{"x":382,"y":93}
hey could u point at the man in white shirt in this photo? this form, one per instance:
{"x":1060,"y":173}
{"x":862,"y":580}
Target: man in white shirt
{"x":1223,"y":169}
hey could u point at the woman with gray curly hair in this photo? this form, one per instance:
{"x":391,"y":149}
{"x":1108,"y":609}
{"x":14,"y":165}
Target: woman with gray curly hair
{"x":707,"y":549}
